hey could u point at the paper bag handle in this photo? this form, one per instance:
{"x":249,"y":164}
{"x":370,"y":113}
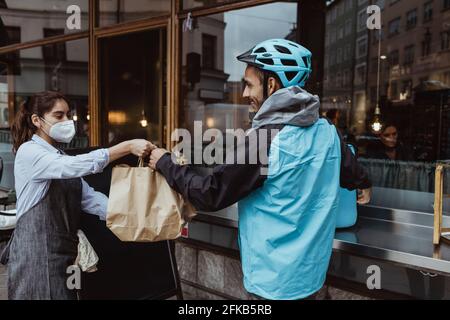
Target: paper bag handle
{"x":141,"y":162}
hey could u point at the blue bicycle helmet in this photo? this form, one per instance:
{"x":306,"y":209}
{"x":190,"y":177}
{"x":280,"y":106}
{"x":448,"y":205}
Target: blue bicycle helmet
{"x":288,"y":60}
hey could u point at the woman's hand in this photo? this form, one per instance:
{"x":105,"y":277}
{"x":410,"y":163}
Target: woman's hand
{"x":364,"y":196}
{"x":141,"y":147}
{"x":138,"y":147}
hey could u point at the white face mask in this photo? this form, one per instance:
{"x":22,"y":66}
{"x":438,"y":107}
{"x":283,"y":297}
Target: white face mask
{"x":62,"y":131}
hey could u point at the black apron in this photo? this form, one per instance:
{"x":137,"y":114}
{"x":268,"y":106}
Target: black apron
{"x":44,"y":244}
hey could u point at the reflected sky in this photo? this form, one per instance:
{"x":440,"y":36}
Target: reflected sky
{"x":247,"y":27}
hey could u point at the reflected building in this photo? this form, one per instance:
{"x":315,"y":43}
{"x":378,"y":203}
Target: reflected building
{"x":415,"y":77}
{"x":57,"y":67}
{"x":416,"y":41}
{"x":340,"y":61}
{"x":203,"y":77}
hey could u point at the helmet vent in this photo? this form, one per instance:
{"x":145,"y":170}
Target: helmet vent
{"x":305,"y":76}
{"x":291,"y":75}
{"x":289,"y":62}
{"x":305,"y":61}
{"x":282,"y":49}
{"x":266,"y":61}
{"x":260,"y":50}
{"x":294,"y":45}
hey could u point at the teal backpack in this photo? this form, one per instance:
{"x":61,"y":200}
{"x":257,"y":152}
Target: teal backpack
{"x":347,"y":210}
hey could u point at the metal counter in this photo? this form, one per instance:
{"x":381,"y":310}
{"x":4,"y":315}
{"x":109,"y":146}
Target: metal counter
{"x":397,"y":236}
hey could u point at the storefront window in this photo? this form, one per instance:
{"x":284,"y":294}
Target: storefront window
{"x":400,"y":142}
{"x":24,"y":20}
{"x":59,"y":67}
{"x":133,"y":86}
{"x":117,"y":11}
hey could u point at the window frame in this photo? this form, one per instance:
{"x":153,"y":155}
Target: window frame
{"x":398,"y":21}
{"x":410,"y":25}
{"x":428,"y":12}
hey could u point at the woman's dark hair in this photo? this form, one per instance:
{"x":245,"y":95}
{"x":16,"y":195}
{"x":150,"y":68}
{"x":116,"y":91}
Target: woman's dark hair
{"x":40,"y":103}
{"x":387,"y":124}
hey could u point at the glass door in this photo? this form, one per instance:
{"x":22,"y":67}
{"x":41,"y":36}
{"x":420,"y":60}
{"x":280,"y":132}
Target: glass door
{"x":132,"y":86}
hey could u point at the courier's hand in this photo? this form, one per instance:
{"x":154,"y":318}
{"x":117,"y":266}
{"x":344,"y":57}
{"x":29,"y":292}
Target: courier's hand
{"x":364,"y":196}
{"x":155,"y":156}
{"x":141,"y":147}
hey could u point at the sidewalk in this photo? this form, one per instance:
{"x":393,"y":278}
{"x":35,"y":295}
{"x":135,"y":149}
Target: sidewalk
{"x":334,"y":294}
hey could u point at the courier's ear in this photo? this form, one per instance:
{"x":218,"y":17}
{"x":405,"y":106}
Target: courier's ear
{"x":273,"y":85}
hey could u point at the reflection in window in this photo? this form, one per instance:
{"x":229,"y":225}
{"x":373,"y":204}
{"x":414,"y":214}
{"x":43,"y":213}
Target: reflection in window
{"x":212,"y":90}
{"x":10,"y":36}
{"x":394,"y":58}
{"x":347,"y":52}
{"x":445,"y":40}
{"x":426,"y":43}
{"x":394,"y":27}
{"x":362,"y":47}
{"x":428,"y":11}
{"x":360,"y":74}
{"x":4,"y":101}
{"x":59,"y":67}
{"x":406,"y":90}
{"x":209,"y":51}
{"x":29,"y":19}
{"x":413,"y":93}
{"x":411,"y":19}
{"x":348,"y":27}
{"x":394,"y":91}
{"x":339,"y":55}
{"x":409,"y":55}
{"x":362,"y":20}
{"x":446,"y":5}
{"x":347,"y":78}
{"x":117,"y":11}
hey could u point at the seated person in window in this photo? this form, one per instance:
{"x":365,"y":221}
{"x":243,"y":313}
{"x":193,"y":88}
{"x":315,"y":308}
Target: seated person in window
{"x":388,"y":147}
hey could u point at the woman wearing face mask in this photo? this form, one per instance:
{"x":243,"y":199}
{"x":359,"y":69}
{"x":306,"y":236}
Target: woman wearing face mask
{"x":389,"y":147}
{"x":50,"y":197}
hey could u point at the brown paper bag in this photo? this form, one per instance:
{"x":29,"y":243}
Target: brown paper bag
{"x":142,"y":207}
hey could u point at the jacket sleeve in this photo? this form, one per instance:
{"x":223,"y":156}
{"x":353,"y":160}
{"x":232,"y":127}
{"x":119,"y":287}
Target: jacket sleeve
{"x":227,"y":184}
{"x":353,"y":175}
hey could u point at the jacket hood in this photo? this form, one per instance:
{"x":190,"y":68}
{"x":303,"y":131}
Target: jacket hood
{"x":292,"y":106}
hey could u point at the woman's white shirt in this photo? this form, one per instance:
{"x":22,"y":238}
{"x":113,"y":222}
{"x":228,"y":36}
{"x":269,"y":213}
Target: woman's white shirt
{"x":37,"y":163}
